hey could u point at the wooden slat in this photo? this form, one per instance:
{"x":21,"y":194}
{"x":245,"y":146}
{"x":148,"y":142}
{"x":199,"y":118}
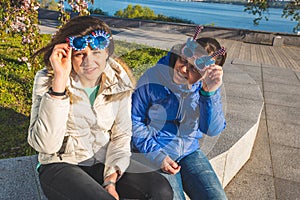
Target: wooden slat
{"x":253,"y":55}
{"x":290,"y":63}
{"x":266,"y":58}
{"x":285,"y":57}
{"x":259,"y":54}
{"x":235,"y":49}
{"x":278,"y":57}
{"x":270,"y":54}
{"x":294,"y":52}
{"x":242,"y":52}
{"x":228,"y":44}
{"x":247,"y":51}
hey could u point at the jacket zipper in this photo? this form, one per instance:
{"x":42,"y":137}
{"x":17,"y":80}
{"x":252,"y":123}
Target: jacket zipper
{"x":180,"y":108}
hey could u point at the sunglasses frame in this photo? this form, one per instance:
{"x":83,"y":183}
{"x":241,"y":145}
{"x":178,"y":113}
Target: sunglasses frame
{"x":202,"y":61}
{"x":90,"y":39}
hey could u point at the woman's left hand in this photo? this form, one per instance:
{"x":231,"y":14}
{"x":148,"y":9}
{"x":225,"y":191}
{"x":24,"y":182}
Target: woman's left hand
{"x":213,"y":78}
{"x":111,"y":189}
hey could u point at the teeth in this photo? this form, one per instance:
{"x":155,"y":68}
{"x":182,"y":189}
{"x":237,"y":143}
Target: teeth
{"x":88,"y":69}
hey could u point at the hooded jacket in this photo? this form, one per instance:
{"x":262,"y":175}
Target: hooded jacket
{"x":168,"y":118}
{"x":74,"y":131}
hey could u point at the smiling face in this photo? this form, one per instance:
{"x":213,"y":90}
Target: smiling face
{"x":185,"y":72}
{"x":89,"y":65}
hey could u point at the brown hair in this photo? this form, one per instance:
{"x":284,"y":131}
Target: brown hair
{"x":77,"y":26}
{"x":211,"y":45}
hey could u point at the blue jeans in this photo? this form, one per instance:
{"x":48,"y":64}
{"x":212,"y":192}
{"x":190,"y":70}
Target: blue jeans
{"x":197,"y":179}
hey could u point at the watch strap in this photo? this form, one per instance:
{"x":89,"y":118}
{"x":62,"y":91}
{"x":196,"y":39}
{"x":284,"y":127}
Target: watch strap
{"x":106,"y":183}
{"x":56,"y":93}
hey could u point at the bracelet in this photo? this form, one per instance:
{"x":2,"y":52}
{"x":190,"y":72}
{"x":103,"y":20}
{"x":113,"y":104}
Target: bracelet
{"x":106,"y":183}
{"x":56,"y":93}
{"x":206,"y":94}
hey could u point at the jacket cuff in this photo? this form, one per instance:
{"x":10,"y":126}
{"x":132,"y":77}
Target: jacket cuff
{"x":110,"y":170}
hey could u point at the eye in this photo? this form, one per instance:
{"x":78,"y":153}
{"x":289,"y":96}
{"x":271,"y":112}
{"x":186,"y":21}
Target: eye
{"x":183,"y":61}
{"x":97,"y":52}
{"x":78,"y":55}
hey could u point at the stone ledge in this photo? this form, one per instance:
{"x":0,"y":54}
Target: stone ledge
{"x":243,"y":103}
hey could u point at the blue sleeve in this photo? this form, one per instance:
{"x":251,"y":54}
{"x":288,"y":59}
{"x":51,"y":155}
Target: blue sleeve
{"x":143,"y":136}
{"x":212,"y":120}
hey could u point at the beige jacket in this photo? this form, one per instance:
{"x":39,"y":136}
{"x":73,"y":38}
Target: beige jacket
{"x":71,"y":130}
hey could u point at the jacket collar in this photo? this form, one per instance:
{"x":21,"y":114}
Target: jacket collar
{"x":113,"y":80}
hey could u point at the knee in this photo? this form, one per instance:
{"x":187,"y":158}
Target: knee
{"x":163,"y":191}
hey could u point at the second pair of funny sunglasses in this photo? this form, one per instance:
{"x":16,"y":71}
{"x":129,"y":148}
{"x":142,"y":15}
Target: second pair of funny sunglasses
{"x":97,"y":39}
{"x":190,"y":47}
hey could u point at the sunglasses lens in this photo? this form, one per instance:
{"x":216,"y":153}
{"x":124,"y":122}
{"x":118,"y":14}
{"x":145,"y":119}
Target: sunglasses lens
{"x":100,"y":42}
{"x":204,"y":61}
{"x":200,"y":62}
{"x":79,"y":43}
{"x":188,"y":52}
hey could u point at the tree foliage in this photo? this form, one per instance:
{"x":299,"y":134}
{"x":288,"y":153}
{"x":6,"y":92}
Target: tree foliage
{"x":48,"y":4}
{"x":260,"y":9}
{"x":21,"y":18}
{"x":136,"y":11}
{"x":139,"y":12}
{"x":291,"y":10}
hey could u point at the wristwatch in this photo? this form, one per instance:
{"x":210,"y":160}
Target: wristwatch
{"x":56,"y":93}
{"x":106,"y":183}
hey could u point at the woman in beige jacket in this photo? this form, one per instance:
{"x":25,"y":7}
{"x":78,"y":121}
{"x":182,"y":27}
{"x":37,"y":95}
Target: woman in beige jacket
{"x":81,"y":122}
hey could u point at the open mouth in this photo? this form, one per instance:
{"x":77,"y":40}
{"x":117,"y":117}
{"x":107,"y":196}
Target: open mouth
{"x":89,"y":69}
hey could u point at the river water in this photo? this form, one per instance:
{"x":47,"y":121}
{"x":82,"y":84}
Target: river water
{"x":221,"y":15}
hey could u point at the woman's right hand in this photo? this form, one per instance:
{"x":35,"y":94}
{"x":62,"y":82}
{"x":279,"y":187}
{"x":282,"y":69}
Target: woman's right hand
{"x":169,"y":166}
{"x":60,"y":60}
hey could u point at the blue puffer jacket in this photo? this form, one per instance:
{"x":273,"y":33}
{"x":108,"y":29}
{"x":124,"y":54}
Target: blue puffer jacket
{"x":169,"y":119}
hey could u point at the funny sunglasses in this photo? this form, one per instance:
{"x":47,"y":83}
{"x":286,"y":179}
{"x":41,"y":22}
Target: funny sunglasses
{"x":97,"y":40}
{"x":190,"y":47}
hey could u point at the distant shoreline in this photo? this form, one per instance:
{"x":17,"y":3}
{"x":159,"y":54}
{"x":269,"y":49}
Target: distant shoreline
{"x":272,"y":4}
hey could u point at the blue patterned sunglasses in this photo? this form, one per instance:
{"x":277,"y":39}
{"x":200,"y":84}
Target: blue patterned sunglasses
{"x":190,"y":47}
{"x":200,"y":62}
{"x":98,"y":39}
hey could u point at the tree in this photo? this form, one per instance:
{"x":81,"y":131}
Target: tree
{"x":21,"y":17}
{"x":136,"y":11}
{"x":292,"y":10}
{"x":259,"y":7}
{"x":48,"y":4}
{"x":139,"y":12}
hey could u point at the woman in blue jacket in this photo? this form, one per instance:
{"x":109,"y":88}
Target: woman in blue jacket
{"x":174,"y":103}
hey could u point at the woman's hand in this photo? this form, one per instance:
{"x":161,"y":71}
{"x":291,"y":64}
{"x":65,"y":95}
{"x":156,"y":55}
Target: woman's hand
{"x":169,"y":166}
{"x":111,"y":188}
{"x":60,"y":60}
{"x":213,"y":78}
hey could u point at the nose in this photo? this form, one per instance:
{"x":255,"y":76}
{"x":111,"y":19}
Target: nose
{"x":185,"y":68}
{"x":87,"y":56}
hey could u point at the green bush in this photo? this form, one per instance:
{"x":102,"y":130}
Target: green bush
{"x":16,"y":82}
{"x":139,"y":12}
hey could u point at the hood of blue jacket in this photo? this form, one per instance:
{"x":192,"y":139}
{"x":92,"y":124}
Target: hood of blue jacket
{"x":162,"y":73}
